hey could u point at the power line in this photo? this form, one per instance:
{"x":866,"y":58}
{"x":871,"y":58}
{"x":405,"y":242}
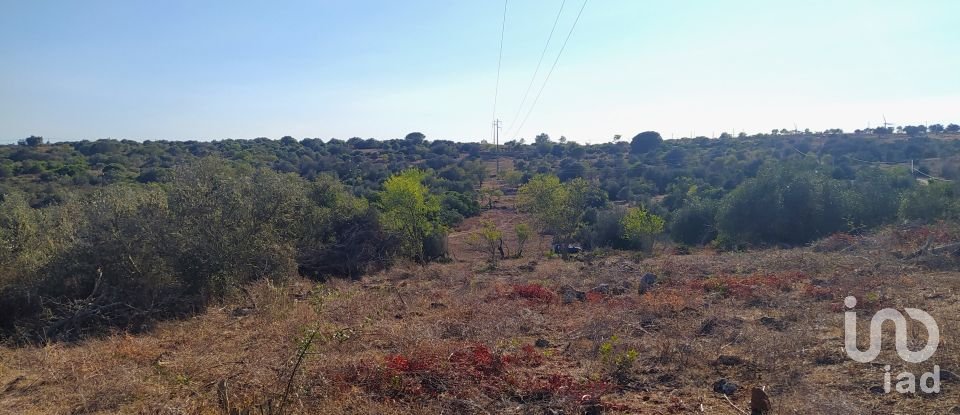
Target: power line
{"x":554,"y":66}
{"x":912,"y":168}
{"x":496,"y":89}
{"x":537,"y":70}
{"x":932,"y":177}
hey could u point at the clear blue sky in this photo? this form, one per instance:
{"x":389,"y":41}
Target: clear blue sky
{"x":243,"y":69}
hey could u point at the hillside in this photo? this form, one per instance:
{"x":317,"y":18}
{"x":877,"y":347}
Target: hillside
{"x":414,"y":276}
{"x":537,"y":334}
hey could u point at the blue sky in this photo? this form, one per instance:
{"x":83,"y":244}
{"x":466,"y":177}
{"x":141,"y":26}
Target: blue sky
{"x":243,"y":69}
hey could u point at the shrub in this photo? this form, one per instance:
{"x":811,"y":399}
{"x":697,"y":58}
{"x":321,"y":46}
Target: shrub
{"x":535,"y":293}
{"x":607,"y":231}
{"x":694,"y":223}
{"x":787,"y":204}
{"x":127,"y":254}
{"x":641,"y":226}
{"x":937,"y":200}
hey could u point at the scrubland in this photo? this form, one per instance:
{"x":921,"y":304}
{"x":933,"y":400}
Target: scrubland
{"x":532,"y":335}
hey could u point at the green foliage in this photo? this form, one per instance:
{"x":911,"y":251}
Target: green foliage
{"x":489,"y":196}
{"x":127,"y":254}
{"x":22,"y":246}
{"x":558,"y":207}
{"x":606,"y":231}
{"x":641,"y":226}
{"x":457,"y":206}
{"x":234,"y":225}
{"x":937,"y":200}
{"x":694,"y":223}
{"x":645,"y":141}
{"x":32,"y":141}
{"x":340,"y":234}
{"x":117,"y":232}
{"x":410,"y":212}
{"x":797,"y":203}
{"x":476,"y":171}
{"x":513,"y":178}
{"x":875,"y":196}
{"x":488,"y":240}
{"x":523,"y":233}
{"x":544,"y":197}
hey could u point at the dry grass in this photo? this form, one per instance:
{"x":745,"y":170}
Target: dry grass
{"x":459,"y":338}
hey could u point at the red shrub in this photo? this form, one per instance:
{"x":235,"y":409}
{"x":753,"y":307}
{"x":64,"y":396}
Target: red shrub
{"x":533,"y":292}
{"x":595,"y":297}
{"x":528,"y":356}
{"x":818,"y":293}
{"x":478,"y":361}
{"x":468,"y":367}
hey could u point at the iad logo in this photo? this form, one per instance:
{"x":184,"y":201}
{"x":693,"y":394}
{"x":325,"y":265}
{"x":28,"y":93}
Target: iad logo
{"x":906,"y":380}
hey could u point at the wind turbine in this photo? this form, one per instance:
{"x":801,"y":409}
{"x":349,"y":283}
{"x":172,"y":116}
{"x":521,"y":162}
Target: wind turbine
{"x":885,"y":123}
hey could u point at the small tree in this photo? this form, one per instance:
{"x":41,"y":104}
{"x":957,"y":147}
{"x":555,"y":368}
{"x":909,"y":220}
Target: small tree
{"x":32,"y":141}
{"x":641,"y":226}
{"x":409,"y":211}
{"x":513,"y":178}
{"x":489,"y":240}
{"x":476,"y":171}
{"x":915,"y":130}
{"x":522,"y":230}
{"x":558,"y":208}
{"x":415,"y":137}
{"x":488,"y":196}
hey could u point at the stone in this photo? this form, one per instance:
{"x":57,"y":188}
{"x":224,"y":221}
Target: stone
{"x":648,"y":279}
{"x":759,"y":402}
{"x":541,"y":343}
{"x":727,"y":360}
{"x":569,"y":295}
{"x":773,"y":323}
{"x":242,"y":311}
{"x":948,"y":376}
{"x":646,"y":283}
{"x":725,"y":387}
{"x":708,"y":326}
{"x":590,"y":405}
{"x":601,"y":289}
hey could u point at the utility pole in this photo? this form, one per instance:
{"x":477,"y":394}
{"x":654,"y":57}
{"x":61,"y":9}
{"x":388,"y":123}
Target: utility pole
{"x":496,"y":142}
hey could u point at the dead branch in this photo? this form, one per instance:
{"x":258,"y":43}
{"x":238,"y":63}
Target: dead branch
{"x":741,"y":411}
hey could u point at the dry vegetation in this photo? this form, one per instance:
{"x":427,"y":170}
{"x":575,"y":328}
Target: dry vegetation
{"x":463,"y":337}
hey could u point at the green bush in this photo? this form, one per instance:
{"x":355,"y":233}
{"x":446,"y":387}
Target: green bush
{"x":792,"y":204}
{"x":694,"y":224}
{"x":937,"y":200}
